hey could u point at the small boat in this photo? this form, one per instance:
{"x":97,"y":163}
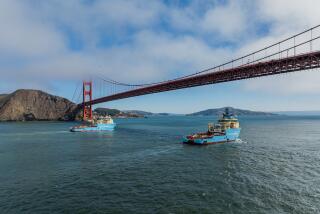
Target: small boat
{"x":227,"y":130}
{"x":100,"y":123}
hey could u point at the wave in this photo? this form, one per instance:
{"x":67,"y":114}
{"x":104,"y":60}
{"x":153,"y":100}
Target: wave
{"x":240,"y":141}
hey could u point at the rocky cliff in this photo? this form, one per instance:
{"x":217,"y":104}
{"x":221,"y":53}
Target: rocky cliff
{"x":26,"y":105}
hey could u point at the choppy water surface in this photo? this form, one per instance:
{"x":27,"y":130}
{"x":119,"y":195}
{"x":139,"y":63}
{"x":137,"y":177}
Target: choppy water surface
{"x":142,"y":168}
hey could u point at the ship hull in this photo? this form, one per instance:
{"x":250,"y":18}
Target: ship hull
{"x":230,"y":135}
{"x":94,"y":128}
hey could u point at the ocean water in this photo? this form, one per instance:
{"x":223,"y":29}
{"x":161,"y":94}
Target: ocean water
{"x":142,"y":167}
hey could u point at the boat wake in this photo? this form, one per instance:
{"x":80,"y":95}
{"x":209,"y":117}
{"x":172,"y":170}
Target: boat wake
{"x":239,"y":141}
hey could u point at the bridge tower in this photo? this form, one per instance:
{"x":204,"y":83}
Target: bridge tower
{"x":87,"y":96}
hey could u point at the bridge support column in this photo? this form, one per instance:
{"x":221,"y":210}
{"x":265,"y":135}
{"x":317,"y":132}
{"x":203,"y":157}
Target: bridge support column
{"x":87,"y":96}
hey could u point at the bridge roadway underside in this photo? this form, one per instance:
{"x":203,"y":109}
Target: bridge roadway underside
{"x":272,"y":67}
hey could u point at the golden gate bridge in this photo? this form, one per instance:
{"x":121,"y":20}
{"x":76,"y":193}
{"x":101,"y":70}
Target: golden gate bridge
{"x":295,"y":53}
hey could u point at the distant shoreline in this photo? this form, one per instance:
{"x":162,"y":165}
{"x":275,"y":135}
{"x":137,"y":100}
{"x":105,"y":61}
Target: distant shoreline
{"x":35,"y":105}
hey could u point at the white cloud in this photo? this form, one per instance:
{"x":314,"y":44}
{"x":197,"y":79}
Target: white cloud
{"x":23,"y":34}
{"x":290,"y":14}
{"x":101,"y":18}
{"x":228,"y":20}
{"x":136,"y":13}
{"x":182,"y":19}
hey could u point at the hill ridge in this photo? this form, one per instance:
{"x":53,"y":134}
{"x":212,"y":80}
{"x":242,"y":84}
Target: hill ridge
{"x":236,"y":111}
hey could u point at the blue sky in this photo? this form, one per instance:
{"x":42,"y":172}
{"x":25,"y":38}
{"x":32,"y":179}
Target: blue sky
{"x":53,"y":45}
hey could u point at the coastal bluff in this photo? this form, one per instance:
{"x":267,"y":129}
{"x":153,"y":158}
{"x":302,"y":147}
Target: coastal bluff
{"x":35,"y":105}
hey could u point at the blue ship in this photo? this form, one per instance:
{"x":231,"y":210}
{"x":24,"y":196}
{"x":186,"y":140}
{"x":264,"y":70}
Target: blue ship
{"x":226,"y":130}
{"x":95,"y":125}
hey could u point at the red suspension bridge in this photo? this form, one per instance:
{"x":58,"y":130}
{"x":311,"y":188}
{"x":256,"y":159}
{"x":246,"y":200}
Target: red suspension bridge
{"x":296,"y":53}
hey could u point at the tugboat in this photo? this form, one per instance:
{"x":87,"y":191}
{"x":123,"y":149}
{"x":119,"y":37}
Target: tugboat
{"x":226,"y":130}
{"x":100,"y":123}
